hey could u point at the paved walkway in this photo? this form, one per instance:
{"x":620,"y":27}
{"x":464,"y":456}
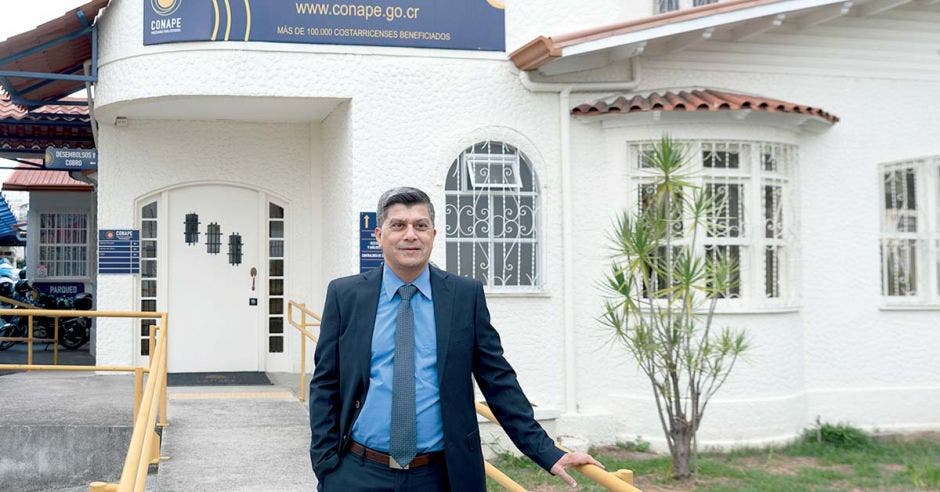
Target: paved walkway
{"x":235,"y":438}
{"x":62,"y":430}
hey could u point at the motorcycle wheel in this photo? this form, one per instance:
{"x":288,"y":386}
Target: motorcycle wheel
{"x":72,"y":333}
{"x":9,"y":330}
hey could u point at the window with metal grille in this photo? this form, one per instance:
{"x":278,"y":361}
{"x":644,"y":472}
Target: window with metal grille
{"x":666,"y":5}
{"x":910,"y":231}
{"x":63,"y":245}
{"x":492,"y":218}
{"x":751,"y":182}
{"x":148,"y":271}
{"x":275,"y":278}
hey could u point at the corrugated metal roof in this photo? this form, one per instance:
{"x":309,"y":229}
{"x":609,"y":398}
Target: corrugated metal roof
{"x":31,"y":179}
{"x":697,"y":100}
{"x":63,"y":58}
{"x":7,"y":219}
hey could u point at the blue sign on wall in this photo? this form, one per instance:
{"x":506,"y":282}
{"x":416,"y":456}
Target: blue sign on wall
{"x":71,"y":159}
{"x":119,"y":251}
{"x":60,"y":289}
{"x":453,"y":24}
{"x":370,"y":253}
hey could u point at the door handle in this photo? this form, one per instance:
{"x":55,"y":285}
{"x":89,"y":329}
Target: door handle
{"x":253,"y":273}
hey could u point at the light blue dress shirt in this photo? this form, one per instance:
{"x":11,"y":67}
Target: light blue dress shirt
{"x":372,"y":428}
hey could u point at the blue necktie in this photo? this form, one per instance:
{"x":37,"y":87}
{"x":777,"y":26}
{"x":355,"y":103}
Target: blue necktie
{"x":402,"y":442}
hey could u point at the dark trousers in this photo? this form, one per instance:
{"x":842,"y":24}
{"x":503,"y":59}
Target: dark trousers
{"x":357,"y":474}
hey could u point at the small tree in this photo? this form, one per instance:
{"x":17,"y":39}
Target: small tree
{"x":663,"y":293}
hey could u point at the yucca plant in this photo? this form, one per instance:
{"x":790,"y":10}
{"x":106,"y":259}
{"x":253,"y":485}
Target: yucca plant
{"x":662,"y":290}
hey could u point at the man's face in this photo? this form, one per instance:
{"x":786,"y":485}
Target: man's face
{"x":406,"y":237}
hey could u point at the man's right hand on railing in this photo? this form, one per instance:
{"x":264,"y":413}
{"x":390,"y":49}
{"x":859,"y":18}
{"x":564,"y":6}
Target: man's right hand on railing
{"x":570,"y":459}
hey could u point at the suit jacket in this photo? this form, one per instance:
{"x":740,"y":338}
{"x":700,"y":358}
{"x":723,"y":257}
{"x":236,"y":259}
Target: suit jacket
{"x":466,"y":344}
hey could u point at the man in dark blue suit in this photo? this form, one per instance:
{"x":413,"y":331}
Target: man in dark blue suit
{"x":391,"y":398}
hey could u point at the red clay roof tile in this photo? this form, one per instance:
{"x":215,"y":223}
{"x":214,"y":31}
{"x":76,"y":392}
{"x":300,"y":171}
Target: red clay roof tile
{"x":697,"y":100}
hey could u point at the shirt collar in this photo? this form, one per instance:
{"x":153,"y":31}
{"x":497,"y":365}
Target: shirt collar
{"x":391,"y":282}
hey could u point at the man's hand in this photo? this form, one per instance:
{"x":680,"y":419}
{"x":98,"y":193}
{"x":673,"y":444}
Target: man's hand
{"x":572,"y":459}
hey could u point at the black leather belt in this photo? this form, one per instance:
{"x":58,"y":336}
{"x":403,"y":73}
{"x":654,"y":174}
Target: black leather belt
{"x":384,"y":459}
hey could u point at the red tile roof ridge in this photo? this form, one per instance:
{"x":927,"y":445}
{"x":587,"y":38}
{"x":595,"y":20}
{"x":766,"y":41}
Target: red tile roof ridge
{"x":695,"y":99}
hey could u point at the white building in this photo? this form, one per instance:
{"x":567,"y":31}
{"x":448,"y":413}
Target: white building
{"x":285,"y":144}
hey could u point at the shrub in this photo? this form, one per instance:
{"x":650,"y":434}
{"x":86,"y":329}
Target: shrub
{"x":637,"y":444}
{"x":842,"y":436}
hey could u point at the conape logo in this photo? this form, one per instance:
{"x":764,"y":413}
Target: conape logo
{"x":165,"y":7}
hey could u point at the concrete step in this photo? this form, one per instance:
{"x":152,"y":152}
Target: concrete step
{"x":63,"y":429}
{"x":235,"y":438}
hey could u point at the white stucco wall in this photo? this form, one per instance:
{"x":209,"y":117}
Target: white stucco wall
{"x":404,"y":115}
{"x":839,"y":354}
{"x":376,"y":140}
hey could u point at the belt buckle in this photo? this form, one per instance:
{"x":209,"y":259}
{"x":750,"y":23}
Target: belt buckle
{"x":394,"y":464}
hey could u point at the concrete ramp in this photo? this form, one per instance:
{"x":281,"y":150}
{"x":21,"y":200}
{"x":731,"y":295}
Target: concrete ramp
{"x":235,"y":438}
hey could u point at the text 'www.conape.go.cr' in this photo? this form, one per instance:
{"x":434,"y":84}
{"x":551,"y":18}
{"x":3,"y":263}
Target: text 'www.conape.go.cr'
{"x":363,"y":11}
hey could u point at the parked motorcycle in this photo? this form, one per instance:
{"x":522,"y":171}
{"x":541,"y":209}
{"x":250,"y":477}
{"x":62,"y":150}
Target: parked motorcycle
{"x":73,"y":331}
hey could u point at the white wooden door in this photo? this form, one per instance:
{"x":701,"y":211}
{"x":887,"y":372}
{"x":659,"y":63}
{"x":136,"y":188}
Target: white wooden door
{"x":214,"y":327}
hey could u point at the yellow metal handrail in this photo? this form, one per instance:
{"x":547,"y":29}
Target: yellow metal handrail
{"x":302,"y":326}
{"x":144,"y":448}
{"x":619,"y":481}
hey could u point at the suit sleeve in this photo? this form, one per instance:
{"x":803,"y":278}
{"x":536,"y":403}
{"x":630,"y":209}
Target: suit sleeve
{"x":497,"y":381}
{"x":324,"y":390}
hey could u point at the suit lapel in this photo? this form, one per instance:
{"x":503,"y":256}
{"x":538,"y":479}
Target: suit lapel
{"x":443,"y":294}
{"x":367,"y":301}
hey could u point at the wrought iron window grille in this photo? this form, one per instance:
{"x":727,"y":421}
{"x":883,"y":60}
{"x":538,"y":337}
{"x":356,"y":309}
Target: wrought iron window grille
{"x":235,"y":249}
{"x":492,"y":217}
{"x":213,"y":238}
{"x":191,"y":231}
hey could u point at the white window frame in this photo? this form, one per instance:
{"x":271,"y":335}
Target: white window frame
{"x":927,"y":236}
{"x":89,"y":230}
{"x":753,"y":243}
{"x":156,"y":260}
{"x":490,"y":160}
{"x":469,"y":187}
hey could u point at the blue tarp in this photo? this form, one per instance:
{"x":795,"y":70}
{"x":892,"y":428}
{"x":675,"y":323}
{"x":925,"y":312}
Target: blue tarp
{"x":7,"y":223}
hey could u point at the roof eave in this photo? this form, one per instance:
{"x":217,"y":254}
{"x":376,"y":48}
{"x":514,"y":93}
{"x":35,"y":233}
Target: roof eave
{"x":535,"y":53}
{"x":656,"y":27}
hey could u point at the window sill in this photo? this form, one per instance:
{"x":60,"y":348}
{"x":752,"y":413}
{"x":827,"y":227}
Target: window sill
{"x":522,"y":294}
{"x":758,"y":309}
{"x":741,"y":309}
{"x":909,"y":307}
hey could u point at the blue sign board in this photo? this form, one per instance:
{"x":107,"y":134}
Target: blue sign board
{"x":71,"y":159}
{"x":60,"y":289}
{"x":452,"y":24}
{"x":370,"y":253}
{"x":119,"y":251}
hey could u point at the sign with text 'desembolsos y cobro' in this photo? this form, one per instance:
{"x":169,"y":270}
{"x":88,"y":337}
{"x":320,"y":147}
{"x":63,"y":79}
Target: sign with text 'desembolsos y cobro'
{"x":451,"y":24}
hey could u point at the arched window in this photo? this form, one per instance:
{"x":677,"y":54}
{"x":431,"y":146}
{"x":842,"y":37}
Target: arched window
{"x":492,"y":217}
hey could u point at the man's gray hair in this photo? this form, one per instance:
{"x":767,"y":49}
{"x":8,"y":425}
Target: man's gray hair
{"x":404,"y":195}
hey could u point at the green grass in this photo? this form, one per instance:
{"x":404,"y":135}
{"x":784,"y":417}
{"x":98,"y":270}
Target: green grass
{"x":846,"y":459}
